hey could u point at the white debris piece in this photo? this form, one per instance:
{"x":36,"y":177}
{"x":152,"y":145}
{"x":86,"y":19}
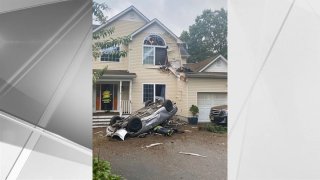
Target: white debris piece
{"x":192,"y":154}
{"x":155,"y":144}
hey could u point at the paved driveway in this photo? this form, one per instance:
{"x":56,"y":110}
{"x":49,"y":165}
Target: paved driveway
{"x":132,"y":160}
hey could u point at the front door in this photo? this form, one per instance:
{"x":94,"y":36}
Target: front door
{"x":107,"y":97}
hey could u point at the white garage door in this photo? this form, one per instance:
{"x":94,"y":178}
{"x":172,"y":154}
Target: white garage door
{"x":206,"y":101}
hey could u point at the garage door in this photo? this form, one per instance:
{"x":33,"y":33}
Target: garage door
{"x":206,"y":101}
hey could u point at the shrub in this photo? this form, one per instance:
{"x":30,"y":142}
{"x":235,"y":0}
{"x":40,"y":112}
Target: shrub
{"x":194,"y":110}
{"x":102,"y":170}
{"x":214,"y":128}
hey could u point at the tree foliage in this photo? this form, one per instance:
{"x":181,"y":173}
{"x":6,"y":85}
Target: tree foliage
{"x":97,"y":12}
{"x":101,"y":38}
{"x":97,"y":73}
{"x":207,"y":37}
{"x":102,"y":170}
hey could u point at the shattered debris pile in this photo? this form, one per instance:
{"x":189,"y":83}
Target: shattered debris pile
{"x":155,"y":118}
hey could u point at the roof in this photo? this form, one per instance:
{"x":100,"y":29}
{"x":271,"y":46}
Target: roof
{"x":215,"y":75}
{"x":159,"y":23}
{"x":196,"y":67}
{"x":121,"y":14}
{"x":184,"y":52}
{"x":117,"y":74}
{"x":202,"y":65}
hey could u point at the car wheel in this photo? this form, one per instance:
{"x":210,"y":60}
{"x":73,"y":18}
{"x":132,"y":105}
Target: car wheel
{"x":147,"y":103}
{"x":114,"y":119}
{"x":168,"y":105}
{"x":134,"y":124}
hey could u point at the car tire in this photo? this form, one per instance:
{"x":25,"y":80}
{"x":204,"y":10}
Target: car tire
{"x":147,"y":103}
{"x":134,"y":124}
{"x":114,"y":119}
{"x":168,"y":105}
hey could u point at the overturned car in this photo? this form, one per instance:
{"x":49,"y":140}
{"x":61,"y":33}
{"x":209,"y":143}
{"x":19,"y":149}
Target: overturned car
{"x":143,"y":120}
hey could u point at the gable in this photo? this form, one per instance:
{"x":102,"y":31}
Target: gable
{"x":155,"y":26}
{"x":218,"y":65}
{"x":131,"y":16}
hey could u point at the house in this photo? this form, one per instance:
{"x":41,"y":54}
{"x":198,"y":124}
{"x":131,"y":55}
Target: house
{"x":155,"y":67}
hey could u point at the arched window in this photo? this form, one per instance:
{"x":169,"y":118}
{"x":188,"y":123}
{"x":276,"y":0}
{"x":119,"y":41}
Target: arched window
{"x":154,"y":50}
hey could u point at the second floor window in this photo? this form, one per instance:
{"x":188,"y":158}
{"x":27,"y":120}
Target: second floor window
{"x":110,"y":54}
{"x":154,"y":50}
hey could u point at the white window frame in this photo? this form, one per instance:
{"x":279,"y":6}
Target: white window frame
{"x":111,"y":61}
{"x":154,"y":49}
{"x":154,"y":89}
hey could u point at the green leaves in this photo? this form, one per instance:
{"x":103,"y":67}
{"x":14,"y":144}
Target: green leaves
{"x":102,"y":33}
{"x":102,"y":43}
{"x":102,"y":38}
{"x":194,"y":110}
{"x":102,"y":170}
{"x":97,"y":11}
{"x":97,"y":73}
{"x":208,"y":36}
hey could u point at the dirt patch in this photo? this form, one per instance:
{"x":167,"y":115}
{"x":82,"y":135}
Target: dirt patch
{"x":132,"y":160}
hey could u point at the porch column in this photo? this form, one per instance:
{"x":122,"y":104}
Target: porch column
{"x":130,"y":90}
{"x":120,"y":98}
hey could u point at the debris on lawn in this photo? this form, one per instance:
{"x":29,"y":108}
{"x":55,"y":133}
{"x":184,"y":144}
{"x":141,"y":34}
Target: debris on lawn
{"x":175,"y":122}
{"x":187,"y":131}
{"x":99,"y":132}
{"x":121,"y":133}
{"x":154,"y":144}
{"x":164,"y":131}
{"x":192,"y":154}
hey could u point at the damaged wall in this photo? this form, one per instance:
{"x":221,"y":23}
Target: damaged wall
{"x":149,"y":73}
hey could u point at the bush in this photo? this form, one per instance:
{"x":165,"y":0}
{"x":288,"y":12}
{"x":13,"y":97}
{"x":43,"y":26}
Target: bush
{"x":214,"y":128}
{"x":194,"y":110}
{"x":102,"y":170}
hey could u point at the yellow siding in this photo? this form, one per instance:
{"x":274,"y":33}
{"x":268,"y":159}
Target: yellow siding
{"x":122,"y":28}
{"x":150,"y":73}
{"x":204,"y":85}
{"x":181,"y":98}
{"x":179,"y":91}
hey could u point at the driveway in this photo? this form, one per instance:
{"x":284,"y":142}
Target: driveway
{"x":132,"y":160}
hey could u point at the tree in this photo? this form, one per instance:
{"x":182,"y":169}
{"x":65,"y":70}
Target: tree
{"x":207,"y":37}
{"x":101,"y":38}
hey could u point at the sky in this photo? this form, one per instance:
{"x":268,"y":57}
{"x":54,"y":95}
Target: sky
{"x":177,"y":15}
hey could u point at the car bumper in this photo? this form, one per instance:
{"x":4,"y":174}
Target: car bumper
{"x":218,"y":119}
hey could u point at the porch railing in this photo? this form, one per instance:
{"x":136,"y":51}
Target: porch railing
{"x":125,"y":106}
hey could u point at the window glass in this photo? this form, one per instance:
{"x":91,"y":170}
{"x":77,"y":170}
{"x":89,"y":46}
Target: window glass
{"x":160,"y":91}
{"x":110,"y":54}
{"x":161,"y":56}
{"x":148,"y":55}
{"x":154,"y":50}
{"x":148,"y":92}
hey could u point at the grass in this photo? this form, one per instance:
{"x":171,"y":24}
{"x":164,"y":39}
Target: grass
{"x":214,"y":128}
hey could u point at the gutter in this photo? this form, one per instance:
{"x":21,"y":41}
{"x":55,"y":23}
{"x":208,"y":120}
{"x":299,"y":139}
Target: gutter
{"x":206,"y":75}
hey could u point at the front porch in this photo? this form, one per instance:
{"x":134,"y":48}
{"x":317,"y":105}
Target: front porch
{"x":112,"y":93}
